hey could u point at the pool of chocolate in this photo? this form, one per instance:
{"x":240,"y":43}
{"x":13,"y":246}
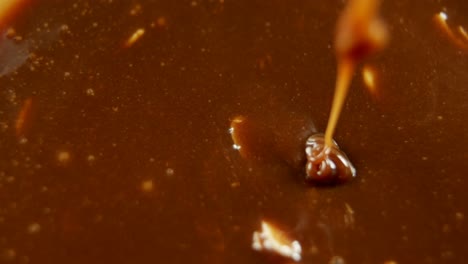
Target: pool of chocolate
{"x":115,"y":144}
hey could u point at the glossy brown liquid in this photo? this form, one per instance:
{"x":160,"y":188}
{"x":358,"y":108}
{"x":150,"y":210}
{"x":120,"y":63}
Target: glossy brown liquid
{"x":125,"y":155}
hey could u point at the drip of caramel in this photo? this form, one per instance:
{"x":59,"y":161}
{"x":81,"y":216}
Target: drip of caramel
{"x":359,"y":34}
{"x":343,"y":80}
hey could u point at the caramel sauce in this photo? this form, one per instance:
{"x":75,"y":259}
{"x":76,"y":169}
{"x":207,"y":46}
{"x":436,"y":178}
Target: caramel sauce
{"x":128,"y":158}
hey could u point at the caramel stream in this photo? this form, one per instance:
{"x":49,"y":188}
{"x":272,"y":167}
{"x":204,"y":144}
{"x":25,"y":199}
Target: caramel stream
{"x":360,"y":33}
{"x":343,"y":80}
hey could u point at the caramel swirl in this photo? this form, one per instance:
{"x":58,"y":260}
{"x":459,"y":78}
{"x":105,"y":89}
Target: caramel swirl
{"x":327,"y":164}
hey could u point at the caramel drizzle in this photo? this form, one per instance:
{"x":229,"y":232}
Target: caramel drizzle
{"x":360,"y":32}
{"x":343,"y":80}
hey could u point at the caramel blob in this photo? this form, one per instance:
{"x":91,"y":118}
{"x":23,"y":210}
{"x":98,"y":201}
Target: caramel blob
{"x":327,"y":164}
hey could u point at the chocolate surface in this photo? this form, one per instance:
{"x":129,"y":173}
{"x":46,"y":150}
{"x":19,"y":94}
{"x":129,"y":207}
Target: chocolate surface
{"x":124,"y":153}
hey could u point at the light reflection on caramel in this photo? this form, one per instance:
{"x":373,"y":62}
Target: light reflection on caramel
{"x":441,"y":21}
{"x":463,"y":32}
{"x":23,"y":117}
{"x":134,"y":37}
{"x":369,"y":76}
{"x":273,"y":240}
{"x":235,"y":122}
{"x":147,"y":186}
{"x":63,"y":157}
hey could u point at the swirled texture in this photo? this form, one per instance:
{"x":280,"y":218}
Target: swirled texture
{"x":326,"y":165}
